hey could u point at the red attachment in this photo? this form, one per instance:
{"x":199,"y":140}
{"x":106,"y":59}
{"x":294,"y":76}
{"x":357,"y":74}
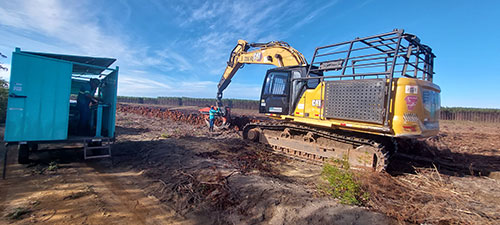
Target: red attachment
{"x":342,"y":124}
{"x":204,"y":110}
{"x":206,"y":114}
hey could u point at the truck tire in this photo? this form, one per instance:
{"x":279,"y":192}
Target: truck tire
{"x":23,"y":154}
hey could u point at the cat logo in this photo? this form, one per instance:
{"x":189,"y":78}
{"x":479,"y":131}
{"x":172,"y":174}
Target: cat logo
{"x":316,"y":103}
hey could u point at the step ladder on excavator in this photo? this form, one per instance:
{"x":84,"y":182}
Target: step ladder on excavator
{"x":99,"y":148}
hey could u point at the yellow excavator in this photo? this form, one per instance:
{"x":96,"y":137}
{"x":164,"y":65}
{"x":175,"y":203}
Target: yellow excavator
{"x":352,"y":101}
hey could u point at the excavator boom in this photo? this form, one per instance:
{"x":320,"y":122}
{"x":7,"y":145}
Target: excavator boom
{"x":277,"y":53}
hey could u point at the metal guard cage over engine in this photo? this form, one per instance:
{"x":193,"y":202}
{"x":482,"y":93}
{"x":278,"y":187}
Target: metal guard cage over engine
{"x":378,"y":59}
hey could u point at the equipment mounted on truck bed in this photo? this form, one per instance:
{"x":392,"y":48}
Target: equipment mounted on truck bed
{"x":43,"y":101}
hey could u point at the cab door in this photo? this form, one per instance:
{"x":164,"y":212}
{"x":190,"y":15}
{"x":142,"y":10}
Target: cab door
{"x":275,"y":93}
{"x":38,"y":102}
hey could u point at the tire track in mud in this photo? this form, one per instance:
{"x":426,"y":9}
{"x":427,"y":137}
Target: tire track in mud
{"x":123,"y":197}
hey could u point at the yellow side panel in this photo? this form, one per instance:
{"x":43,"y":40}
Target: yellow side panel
{"x":414,"y":111}
{"x":310,"y":103}
{"x":416,"y":108}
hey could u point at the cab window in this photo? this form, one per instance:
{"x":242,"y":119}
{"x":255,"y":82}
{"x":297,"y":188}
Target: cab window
{"x":313,"y":83}
{"x":276,"y":83}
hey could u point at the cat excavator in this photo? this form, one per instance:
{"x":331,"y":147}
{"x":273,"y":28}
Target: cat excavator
{"x":277,"y":53}
{"x":352,"y":101}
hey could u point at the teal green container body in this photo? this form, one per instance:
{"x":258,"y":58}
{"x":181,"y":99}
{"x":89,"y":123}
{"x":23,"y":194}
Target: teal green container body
{"x":37,"y":108}
{"x":109,"y":95}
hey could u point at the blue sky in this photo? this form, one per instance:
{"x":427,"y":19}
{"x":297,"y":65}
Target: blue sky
{"x":180,"y":48}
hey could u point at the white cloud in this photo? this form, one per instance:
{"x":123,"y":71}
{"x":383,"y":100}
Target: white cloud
{"x":312,"y":15}
{"x":154,"y":86}
{"x":177,"y":67}
{"x":140,"y":86}
{"x":67,"y":23}
{"x":215,"y":47}
{"x":149,"y":87}
{"x":224,"y":22}
{"x":10,"y":40}
{"x":174,"y":60}
{"x":142,"y":83}
{"x":56,"y":26}
{"x":208,"y":10}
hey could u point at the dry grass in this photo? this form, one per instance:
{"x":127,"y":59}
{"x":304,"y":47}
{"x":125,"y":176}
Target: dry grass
{"x":424,"y":197}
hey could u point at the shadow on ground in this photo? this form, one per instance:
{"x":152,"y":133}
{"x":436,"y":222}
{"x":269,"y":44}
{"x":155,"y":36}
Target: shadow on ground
{"x":421,"y":154}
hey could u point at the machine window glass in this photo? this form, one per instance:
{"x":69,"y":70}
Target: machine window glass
{"x":276,"y":84}
{"x":269,"y":83}
{"x":279,"y":84}
{"x":313,"y":83}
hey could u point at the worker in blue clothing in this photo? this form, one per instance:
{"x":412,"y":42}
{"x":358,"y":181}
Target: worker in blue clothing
{"x":85,"y":97}
{"x":211,"y":114}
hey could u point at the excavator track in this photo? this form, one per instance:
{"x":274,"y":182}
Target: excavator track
{"x":317,"y":145}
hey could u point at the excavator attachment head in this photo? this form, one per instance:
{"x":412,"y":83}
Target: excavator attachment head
{"x":222,"y":118}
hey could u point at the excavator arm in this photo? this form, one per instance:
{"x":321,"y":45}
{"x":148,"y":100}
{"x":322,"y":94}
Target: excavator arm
{"x":277,"y":53}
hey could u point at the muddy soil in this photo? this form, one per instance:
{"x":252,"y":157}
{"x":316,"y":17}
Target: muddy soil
{"x":74,"y":192}
{"x":165,"y":172}
{"x":219,"y":178}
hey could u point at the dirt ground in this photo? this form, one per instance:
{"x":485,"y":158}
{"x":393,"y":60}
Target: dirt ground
{"x":165,"y":172}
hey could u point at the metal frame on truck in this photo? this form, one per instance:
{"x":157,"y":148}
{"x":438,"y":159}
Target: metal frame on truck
{"x":41,"y":106}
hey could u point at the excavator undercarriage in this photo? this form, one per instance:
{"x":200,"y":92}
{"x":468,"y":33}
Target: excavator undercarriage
{"x":319,"y":145}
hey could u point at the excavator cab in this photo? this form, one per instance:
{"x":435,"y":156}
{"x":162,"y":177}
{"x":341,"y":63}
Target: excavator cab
{"x":283,"y":87}
{"x":275,"y":92}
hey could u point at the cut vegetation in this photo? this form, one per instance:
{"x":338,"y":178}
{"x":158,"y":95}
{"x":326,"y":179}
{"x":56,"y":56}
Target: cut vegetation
{"x":192,"y":177}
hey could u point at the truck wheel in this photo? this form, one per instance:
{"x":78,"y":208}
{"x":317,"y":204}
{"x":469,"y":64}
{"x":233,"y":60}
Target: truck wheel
{"x":23,"y":154}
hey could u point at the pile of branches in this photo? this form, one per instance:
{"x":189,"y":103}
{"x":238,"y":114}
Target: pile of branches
{"x":436,"y":151}
{"x":162,"y":113}
{"x":188,"y":192}
{"x":261,"y":161}
{"x":424,"y":197}
{"x":237,"y":122}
